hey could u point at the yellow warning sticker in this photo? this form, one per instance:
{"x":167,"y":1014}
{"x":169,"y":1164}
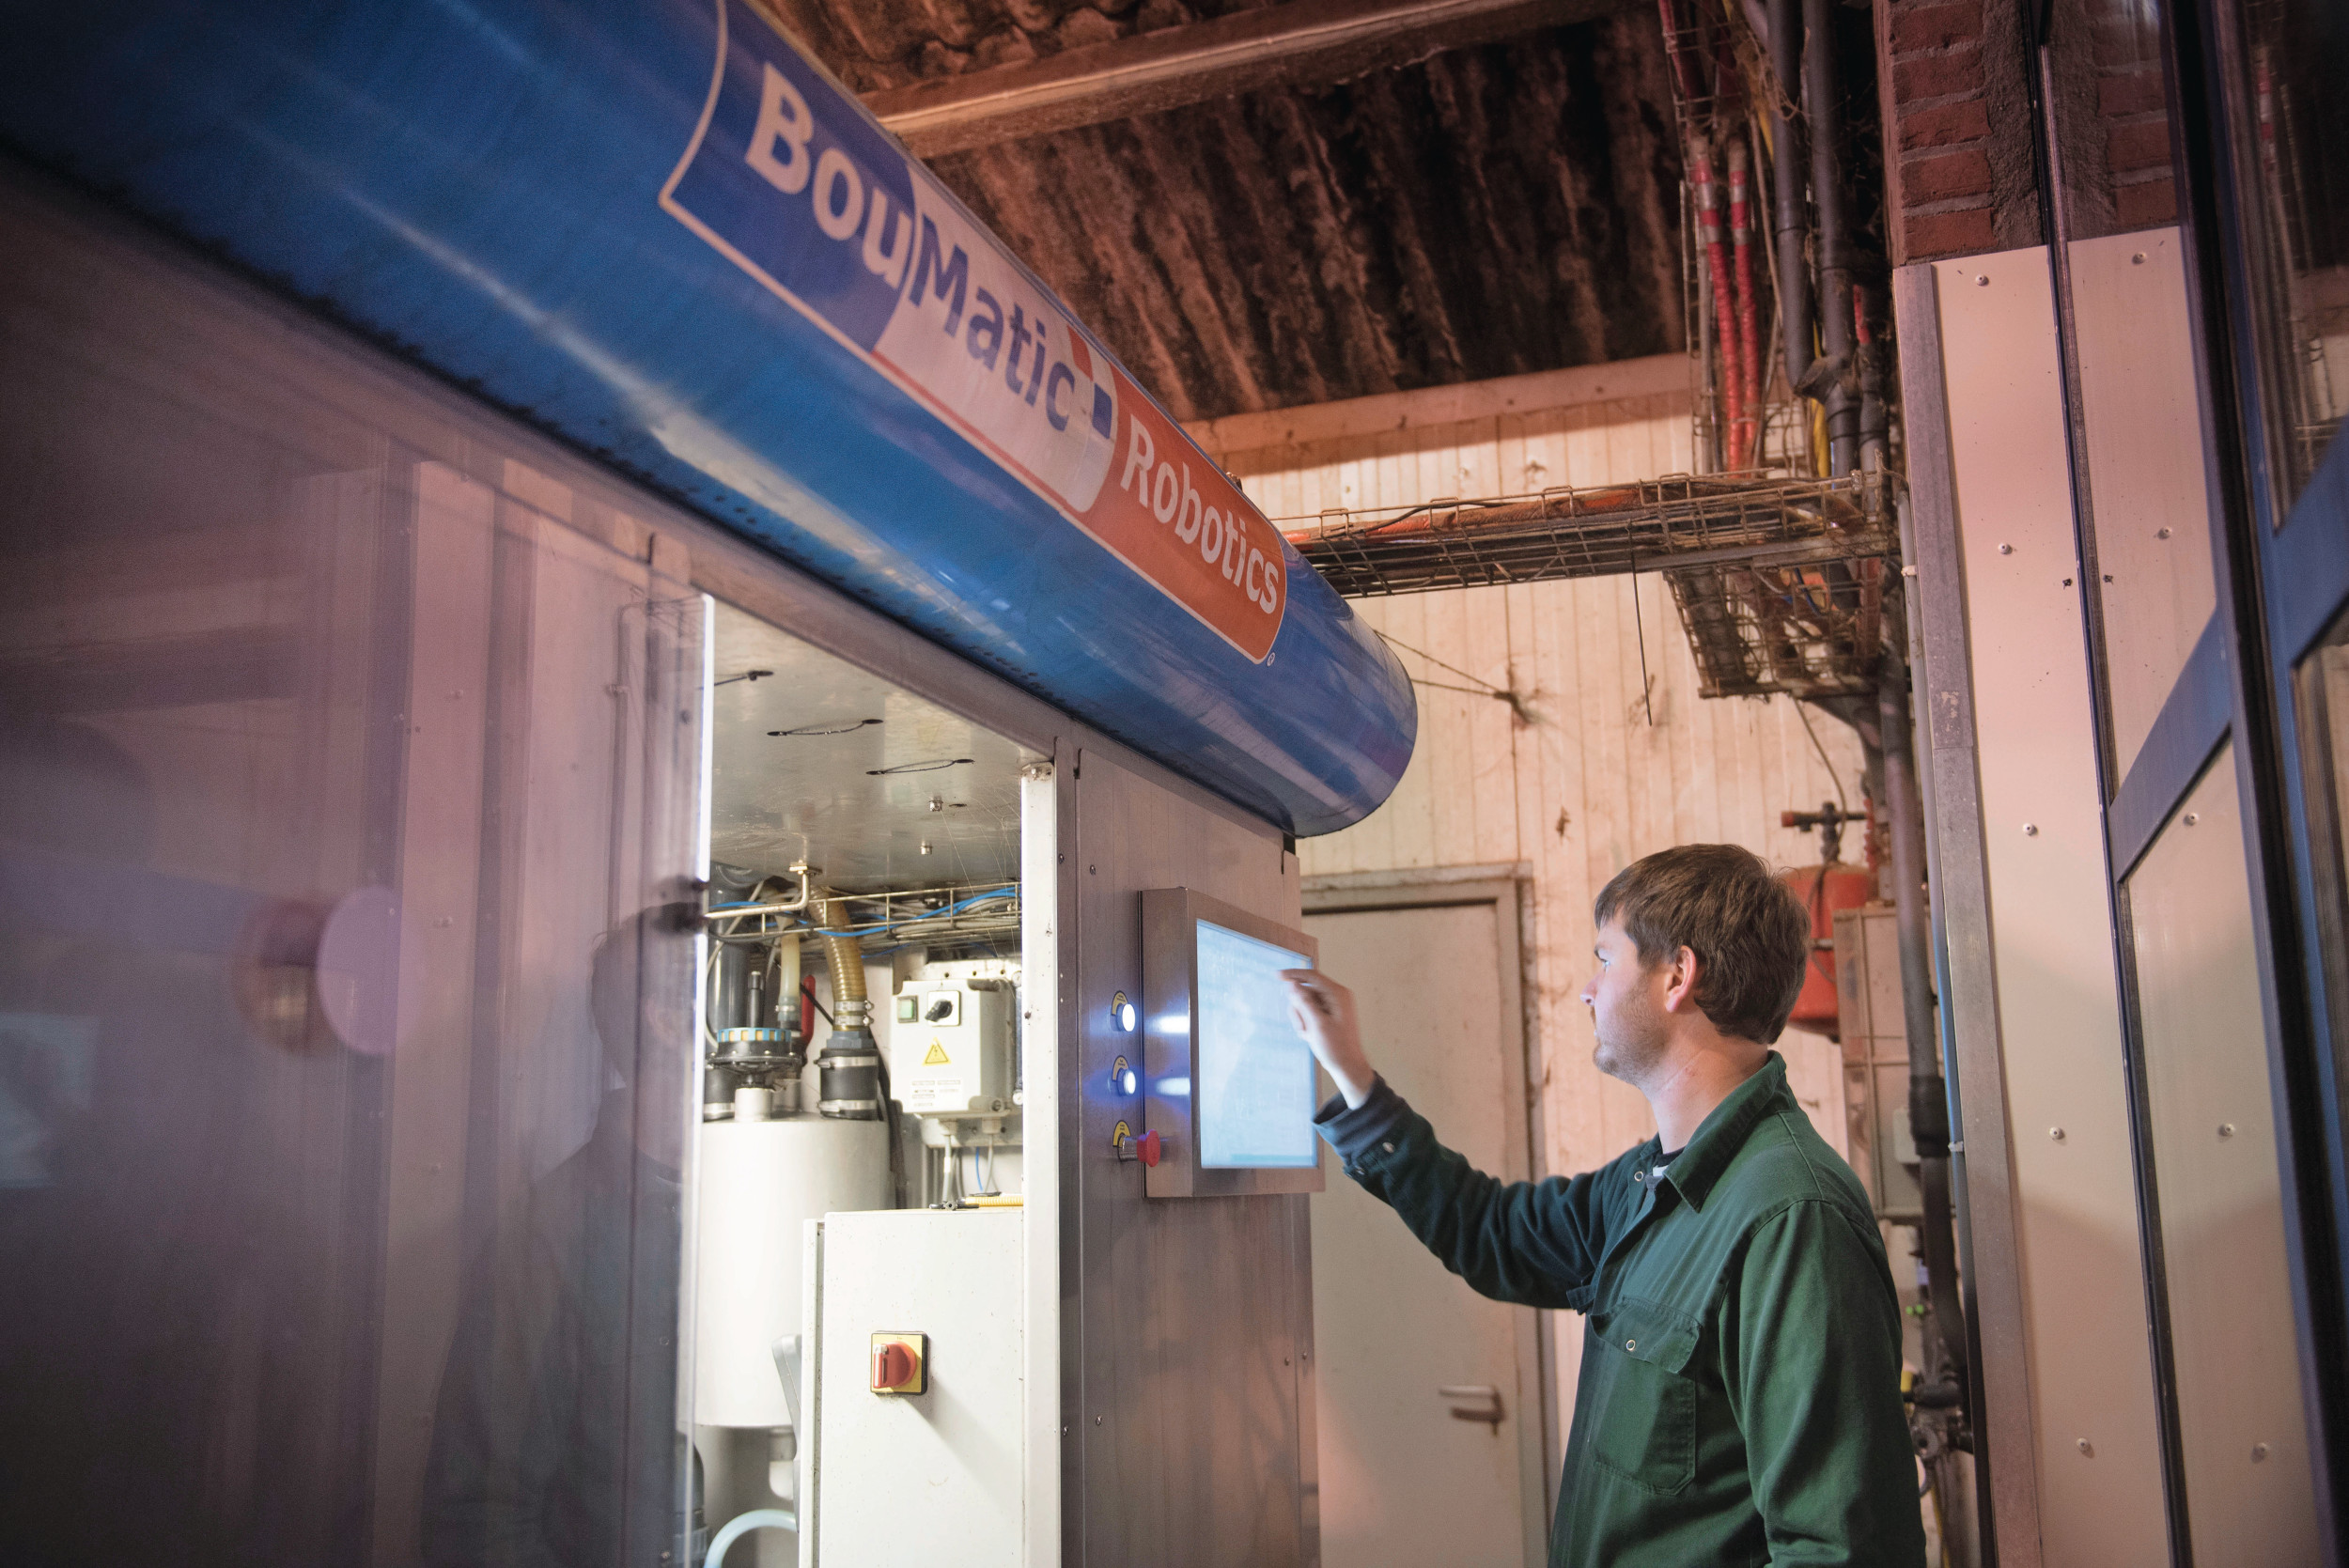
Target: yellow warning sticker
{"x":937,"y":1058}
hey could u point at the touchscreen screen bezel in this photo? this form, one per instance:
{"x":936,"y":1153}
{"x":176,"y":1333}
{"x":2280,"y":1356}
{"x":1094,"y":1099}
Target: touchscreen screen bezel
{"x":1171,"y":919}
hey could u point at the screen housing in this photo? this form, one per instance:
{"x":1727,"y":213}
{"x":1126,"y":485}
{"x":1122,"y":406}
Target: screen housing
{"x":1170,"y":1047}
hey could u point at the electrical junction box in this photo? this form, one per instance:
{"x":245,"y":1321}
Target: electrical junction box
{"x":953,"y":1046}
{"x":932,"y":1468}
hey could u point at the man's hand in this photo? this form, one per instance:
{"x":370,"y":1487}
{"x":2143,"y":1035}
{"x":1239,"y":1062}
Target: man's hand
{"x":1323,"y":1011}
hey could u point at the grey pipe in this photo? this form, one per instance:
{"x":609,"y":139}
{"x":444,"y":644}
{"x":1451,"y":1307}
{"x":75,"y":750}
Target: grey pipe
{"x":1827,"y":190}
{"x":1928,"y":1095}
{"x":1786,"y":188}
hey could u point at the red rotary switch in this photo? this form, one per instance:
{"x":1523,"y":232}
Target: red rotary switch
{"x":892,"y":1366}
{"x":1146,"y":1146}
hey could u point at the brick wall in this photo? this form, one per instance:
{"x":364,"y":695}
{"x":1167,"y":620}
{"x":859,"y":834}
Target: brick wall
{"x":1956,"y":128}
{"x":1958,"y":118}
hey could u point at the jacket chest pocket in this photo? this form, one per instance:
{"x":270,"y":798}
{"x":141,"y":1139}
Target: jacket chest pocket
{"x":1645,"y":1429}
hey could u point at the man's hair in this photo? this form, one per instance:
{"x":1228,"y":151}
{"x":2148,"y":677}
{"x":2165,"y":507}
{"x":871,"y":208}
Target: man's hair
{"x":1750,"y":934}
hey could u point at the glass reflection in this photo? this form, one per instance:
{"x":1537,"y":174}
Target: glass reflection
{"x":348,"y":756}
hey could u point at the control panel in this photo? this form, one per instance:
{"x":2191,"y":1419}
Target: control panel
{"x":952,"y":1047}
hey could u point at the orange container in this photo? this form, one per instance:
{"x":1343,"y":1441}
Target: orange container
{"x":1824,"y":890}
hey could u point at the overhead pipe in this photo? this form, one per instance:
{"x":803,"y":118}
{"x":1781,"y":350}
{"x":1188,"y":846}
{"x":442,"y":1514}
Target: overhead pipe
{"x":1802,"y":52}
{"x":1709,"y":232}
{"x":1730,"y":117}
{"x":1787,"y":184}
{"x":1684,"y":66}
{"x":1827,"y":191}
{"x":789,"y":906}
{"x":1746,"y":439}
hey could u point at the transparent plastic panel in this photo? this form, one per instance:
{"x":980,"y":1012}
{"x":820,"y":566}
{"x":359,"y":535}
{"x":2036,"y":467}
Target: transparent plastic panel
{"x":348,"y":784}
{"x":2292,"y":145}
{"x":2141,"y":420}
{"x":2320,"y":692}
{"x":2243,"y":1436}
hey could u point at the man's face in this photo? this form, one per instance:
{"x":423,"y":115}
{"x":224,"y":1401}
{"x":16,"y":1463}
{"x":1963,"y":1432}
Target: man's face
{"x":1627,"y":1001}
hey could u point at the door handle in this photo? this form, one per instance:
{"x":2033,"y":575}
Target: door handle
{"x":1483,"y":1400}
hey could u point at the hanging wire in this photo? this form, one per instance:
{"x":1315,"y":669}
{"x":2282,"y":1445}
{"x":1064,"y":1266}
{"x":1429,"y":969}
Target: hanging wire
{"x":1482,"y":689}
{"x":1639,"y":626}
{"x":1802,"y":711}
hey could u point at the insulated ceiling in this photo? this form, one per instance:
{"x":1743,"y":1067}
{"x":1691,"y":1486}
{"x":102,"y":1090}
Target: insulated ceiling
{"x":1490,"y":210}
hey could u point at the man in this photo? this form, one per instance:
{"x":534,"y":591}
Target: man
{"x":1739,"y":1400}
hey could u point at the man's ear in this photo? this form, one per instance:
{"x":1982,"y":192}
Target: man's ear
{"x":1680,"y":984}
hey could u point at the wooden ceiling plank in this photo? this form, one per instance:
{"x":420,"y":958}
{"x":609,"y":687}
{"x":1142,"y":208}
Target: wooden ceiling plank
{"x":1298,"y":43}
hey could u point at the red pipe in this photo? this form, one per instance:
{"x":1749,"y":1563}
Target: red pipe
{"x":1676,"y":50}
{"x":1733,"y":383}
{"x":1747,"y":435}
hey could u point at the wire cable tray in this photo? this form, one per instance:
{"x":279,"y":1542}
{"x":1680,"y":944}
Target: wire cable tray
{"x":1778,"y":581}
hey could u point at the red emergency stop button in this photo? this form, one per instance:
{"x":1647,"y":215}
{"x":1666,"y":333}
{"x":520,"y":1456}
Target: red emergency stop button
{"x":1146,"y":1147}
{"x":900,"y":1364}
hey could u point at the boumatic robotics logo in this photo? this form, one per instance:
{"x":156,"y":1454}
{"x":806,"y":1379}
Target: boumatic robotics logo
{"x":788,"y":180}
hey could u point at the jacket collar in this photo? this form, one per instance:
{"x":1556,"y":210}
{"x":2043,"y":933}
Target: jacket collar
{"x":1720,"y":1135}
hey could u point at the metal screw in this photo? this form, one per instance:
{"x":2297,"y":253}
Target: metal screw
{"x":1631,"y":1344}
{"x":2006,"y":550}
{"x":1096,"y":1421}
{"x":1983,"y":282}
{"x":2108,"y":576}
{"x":2087,"y":1448}
{"x":2137,"y":259}
{"x":2259,"y":1453}
{"x":2192,"y":817}
{"x":2031,"y":830}
{"x":937,"y":803}
{"x":2064,"y":583}
{"x":2056,"y":1133}
{"x":2225,"y":1129}
{"x":2161,"y":533}
{"x":926,"y":846}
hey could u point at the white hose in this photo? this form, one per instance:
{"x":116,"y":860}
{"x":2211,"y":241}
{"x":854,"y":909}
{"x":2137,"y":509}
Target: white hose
{"x":742,"y":1525}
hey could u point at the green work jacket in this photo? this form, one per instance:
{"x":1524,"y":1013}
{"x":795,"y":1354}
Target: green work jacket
{"x":1740,"y":1400}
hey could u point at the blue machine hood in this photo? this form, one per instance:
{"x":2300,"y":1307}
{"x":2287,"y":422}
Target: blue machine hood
{"x":660,"y":233}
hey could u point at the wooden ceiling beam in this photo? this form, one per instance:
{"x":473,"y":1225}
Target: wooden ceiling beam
{"x":1297,"y":43}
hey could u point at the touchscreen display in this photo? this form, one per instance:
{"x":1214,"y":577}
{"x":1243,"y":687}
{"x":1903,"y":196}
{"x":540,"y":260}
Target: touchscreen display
{"x":1255,"y":1072}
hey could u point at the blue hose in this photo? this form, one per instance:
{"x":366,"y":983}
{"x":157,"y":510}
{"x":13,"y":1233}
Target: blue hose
{"x":742,"y":1525}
